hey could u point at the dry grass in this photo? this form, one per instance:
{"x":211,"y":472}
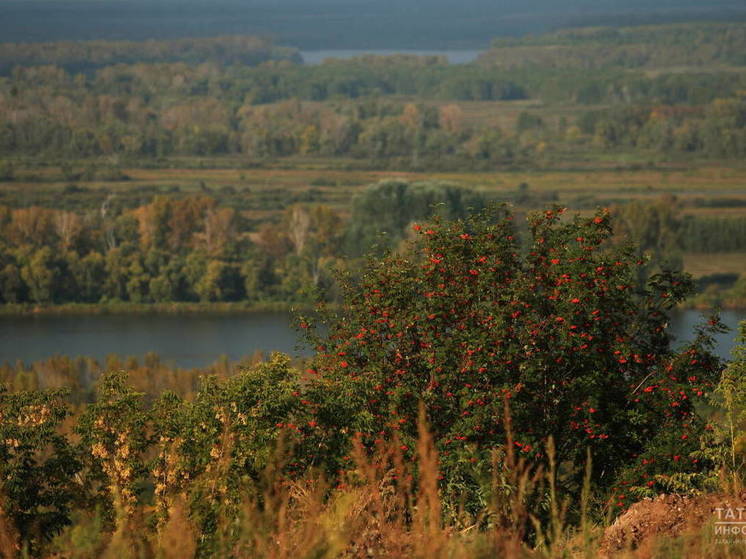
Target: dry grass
{"x":298,"y":174}
{"x":178,"y":537}
{"x":703,"y":264}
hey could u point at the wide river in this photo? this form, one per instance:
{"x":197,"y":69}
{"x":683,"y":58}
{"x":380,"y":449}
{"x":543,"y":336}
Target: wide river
{"x":197,"y":340}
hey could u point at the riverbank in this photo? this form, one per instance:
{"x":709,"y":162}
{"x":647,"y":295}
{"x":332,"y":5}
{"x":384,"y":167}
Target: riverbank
{"x":714,"y":300}
{"x":30,"y":309}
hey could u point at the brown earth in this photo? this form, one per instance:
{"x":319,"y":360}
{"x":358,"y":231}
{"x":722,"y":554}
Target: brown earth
{"x":669,"y":516}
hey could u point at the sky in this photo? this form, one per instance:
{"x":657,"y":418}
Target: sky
{"x":329,"y":24}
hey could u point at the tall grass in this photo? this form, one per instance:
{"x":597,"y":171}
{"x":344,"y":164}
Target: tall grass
{"x":384,"y":507}
{"x":149,"y":375}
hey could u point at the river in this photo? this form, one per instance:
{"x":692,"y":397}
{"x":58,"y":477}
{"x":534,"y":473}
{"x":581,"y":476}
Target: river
{"x":313,"y":57}
{"x":197,"y":340}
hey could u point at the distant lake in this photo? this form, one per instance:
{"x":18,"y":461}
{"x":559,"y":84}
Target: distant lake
{"x":198,"y":340}
{"x":454,"y":56}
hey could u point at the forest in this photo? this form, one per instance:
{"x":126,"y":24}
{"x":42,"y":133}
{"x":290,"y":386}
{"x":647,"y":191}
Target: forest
{"x":249,"y":99}
{"x":77,"y":56}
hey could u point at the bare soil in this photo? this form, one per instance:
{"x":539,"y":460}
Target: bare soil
{"x":667,"y":516}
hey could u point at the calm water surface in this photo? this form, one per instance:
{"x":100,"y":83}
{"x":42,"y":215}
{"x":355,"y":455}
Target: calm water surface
{"x":454,"y":56}
{"x":200,"y":339}
{"x":683,"y":323}
{"x":189,"y":340}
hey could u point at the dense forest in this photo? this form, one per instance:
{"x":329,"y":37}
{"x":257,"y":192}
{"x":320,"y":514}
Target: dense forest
{"x":192,"y":249}
{"x":151,"y":100}
{"x":153,"y":111}
{"x":79,"y":112}
{"x":652,"y":46}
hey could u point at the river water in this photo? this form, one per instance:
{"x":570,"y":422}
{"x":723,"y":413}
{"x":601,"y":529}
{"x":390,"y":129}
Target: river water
{"x":197,"y":340}
{"x":313,"y":57}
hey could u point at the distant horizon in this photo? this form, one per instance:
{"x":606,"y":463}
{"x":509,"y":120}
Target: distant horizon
{"x":331,"y":24}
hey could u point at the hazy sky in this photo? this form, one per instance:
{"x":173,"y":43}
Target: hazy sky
{"x":337,"y":23}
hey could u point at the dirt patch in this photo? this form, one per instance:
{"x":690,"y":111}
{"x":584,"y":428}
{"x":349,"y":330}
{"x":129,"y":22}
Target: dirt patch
{"x":666,"y":516}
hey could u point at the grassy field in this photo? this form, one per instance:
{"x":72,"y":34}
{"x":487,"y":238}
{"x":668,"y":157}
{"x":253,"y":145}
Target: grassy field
{"x":705,"y":264}
{"x":706,"y":185}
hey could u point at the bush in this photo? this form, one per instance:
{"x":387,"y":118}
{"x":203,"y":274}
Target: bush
{"x":209,"y":452}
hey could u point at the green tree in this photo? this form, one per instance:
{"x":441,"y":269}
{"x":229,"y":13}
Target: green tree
{"x":217,"y":446}
{"x":730,"y":397}
{"x":41,"y":275}
{"x":654,"y":232}
{"x":117,"y":274}
{"x":260,"y":279}
{"x":114,"y":438}
{"x":162,"y":288}
{"x":220,"y":282}
{"x":208,"y":286}
{"x":138,"y":281}
{"x":11,"y":284}
{"x":90,"y":277}
{"x":390,"y":206}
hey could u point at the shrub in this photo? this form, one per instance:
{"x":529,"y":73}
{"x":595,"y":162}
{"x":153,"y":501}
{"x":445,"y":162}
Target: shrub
{"x":37,"y":467}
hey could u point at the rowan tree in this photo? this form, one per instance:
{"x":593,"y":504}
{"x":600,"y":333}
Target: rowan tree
{"x":557,"y":326}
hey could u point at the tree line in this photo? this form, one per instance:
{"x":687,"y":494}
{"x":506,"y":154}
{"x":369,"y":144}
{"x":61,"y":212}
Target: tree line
{"x":373,"y":130}
{"x":192,"y":248}
{"x":87,"y":56}
{"x":70,"y":119}
{"x":651,"y":46}
{"x":715,"y":130}
{"x":168,"y":250}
